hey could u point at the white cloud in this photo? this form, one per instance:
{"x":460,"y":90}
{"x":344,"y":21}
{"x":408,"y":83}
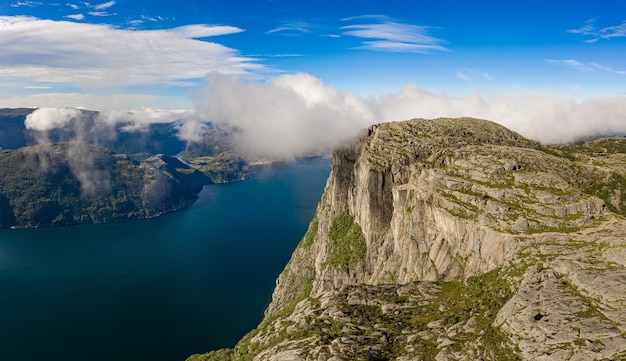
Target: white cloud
{"x":45,"y":119}
{"x":105,"y":5}
{"x":196,"y":31}
{"x":546,"y":118}
{"x":192,"y":131}
{"x":388,"y":35}
{"x":589,"y":30}
{"x":76,"y":17}
{"x":291,"y":115}
{"x":288,"y":116}
{"x":95,"y":56}
{"x":99,"y":13}
{"x":101,"y":101}
{"x":607,"y":69}
{"x":570,"y":63}
{"x":468,"y":73}
{"x":462,"y":76}
{"x":140,"y":117}
{"x":30,"y":4}
{"x":292,"y":28}
{"x":584,"y":67}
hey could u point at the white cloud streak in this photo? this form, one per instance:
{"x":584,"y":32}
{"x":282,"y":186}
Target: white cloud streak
{"x":609,"y":32}
{"x":292,"y":28}
{"x":196,"y":31}
{"x":99,"y":13}
{"x":468,"y":73}
{"x":584,"y":67}
{"x":76,"y":17}
{"x":99,"y":101}
{"x":388,"y":35}
{"x":30,"y":4}
{"x":105,"y":5}
{"x":92,"y":56}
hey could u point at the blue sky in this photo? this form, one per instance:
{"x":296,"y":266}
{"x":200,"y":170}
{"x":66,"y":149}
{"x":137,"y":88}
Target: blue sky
{"x":476,"y":58}
{"x":576,"y":49}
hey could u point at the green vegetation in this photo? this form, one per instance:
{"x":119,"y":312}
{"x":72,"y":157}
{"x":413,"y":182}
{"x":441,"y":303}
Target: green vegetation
{"x":68,"y":183}
{"x":310,"y":235}
{"x":222,"y":168}
{"x":376,"y":322}
{"x":347,"y":244}
{"x":611,"y":188}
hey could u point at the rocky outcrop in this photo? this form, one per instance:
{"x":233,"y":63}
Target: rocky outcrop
{"x":455,"y":239}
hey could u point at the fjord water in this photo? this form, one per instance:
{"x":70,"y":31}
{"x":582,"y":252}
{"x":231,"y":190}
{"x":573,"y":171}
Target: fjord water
{"x":155,"y":289}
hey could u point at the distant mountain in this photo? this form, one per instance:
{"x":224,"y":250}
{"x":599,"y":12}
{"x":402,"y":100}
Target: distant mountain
{"x":12,"y":130}
{"x":121,"y":137}
{"x":70,"y":182}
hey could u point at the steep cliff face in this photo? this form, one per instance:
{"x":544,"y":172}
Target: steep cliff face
{"x":455,"y":239}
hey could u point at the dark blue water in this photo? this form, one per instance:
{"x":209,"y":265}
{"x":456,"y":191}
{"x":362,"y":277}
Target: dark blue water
{"x":155,"y":289}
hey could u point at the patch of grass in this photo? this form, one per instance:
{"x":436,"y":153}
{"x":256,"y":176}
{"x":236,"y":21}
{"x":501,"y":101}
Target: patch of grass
{"x":610,"y":188}
{"x":347,"y":244}
{"x":310,"y":235}
{"x":218,"y":355}
{"x":564,"y":228}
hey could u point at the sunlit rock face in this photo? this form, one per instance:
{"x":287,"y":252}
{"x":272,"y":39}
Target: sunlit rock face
{"x":456,"y":239}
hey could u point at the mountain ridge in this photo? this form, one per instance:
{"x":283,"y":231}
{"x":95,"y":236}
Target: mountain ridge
{"x":73,"y":182}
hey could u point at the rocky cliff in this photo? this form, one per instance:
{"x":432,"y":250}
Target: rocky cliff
{"x":456,"y":239}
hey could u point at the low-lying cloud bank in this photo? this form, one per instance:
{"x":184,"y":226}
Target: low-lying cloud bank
{"x":296,"y":114}
{"x":293,"y":115}
{"x":289,"y":116}
{"x":547,"y":118}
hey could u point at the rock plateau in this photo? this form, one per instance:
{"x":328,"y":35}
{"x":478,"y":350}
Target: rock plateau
{"x":456,"y":239}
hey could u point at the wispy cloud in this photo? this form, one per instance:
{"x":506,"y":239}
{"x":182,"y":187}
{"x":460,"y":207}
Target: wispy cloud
{"x":384,"y":34}
{"x":76,"y":17}
{"x":462,"y":75}
{"x":570,"y":63}
{"x":100,"y":13}
{"x":197,"y":31}
{"x":142,"y":19}
{"x":468,"y":73}
{"x":30,"y":4}
{"x":589,"y":29}
{"x":584,"y":67}
{"x":95,"y":55}
{"x":105,"y":5}
{"x":293,"y":28}
{"x":98,"y":10}
{"x":607,"y":69}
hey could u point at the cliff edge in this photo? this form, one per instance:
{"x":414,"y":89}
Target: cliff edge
{"x":456,"y":239}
